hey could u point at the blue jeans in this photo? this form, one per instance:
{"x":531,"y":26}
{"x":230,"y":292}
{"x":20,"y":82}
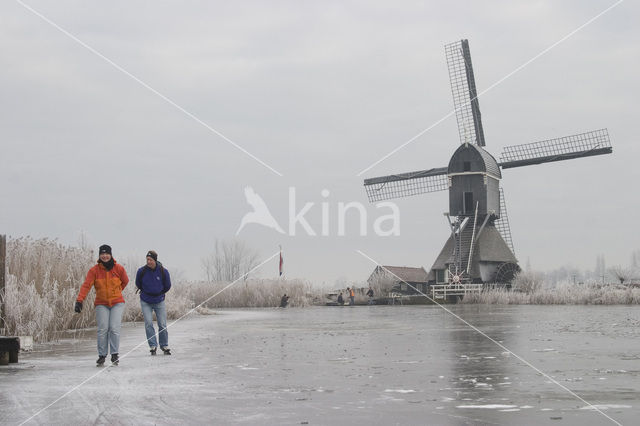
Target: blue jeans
{"x":161,"y":316}
{"x":109,"y":320}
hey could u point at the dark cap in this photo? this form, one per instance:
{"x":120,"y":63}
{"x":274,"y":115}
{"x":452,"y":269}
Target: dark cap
{"x":152,"y":254}
{"x":105,"y":249}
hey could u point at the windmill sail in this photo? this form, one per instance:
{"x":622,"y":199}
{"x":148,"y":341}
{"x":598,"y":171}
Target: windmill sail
{"x":502,"y":223}
{"x":406,"y":184}
{"x":463,"y":89}
{"x":565,"y":148}
{"x":480,"y":248}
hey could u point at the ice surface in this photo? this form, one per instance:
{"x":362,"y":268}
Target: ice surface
{"x":364,"y":365}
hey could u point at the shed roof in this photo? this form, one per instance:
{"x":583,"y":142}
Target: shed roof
{"x":403,"y":273}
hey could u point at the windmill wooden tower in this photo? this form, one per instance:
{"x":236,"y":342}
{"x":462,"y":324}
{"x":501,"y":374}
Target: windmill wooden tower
{"x":480,"y":248}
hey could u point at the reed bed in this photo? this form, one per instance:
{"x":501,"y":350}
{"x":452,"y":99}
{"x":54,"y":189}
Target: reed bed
{"x":561,"y":294}
{"x":44,"y":277}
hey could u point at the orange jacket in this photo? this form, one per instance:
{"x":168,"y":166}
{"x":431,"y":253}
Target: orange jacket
{"x":352,"y":293}
{"x":109,"y":284}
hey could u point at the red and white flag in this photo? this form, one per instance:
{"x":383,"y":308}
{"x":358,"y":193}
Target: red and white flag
{"x":281,"y":261}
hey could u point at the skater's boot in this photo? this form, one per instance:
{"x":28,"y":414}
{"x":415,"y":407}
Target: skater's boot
{"x":100,"y":360}
{"x":114,"y":359}
{"x":166,"y":350}
{"x":153,"y":350}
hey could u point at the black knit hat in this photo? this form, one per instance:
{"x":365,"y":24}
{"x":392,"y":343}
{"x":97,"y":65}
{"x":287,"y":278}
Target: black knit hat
{"x":152,"y":254}
{"x":105,"y":249}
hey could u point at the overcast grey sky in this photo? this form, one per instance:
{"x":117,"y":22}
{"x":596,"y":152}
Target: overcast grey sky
{"x":318,"y":91}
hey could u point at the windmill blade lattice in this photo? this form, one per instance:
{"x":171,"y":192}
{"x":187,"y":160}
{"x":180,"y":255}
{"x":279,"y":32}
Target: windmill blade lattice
{"x":463,"y":89}
{"x":502,"y":224}
{"x":565,"y":148}
{"x":406,"y":184}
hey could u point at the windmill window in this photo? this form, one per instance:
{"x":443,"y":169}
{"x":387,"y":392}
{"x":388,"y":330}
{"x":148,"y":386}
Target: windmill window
{"x":466,"y":165}
{"x":440,"y":275}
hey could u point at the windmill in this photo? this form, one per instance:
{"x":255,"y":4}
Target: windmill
{"x":480,"y":248}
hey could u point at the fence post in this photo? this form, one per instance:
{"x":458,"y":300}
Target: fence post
{"x":3,"y":267}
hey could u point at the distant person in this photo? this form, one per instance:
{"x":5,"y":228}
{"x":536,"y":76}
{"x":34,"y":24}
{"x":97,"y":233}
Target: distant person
{"x":370,"y":294}
{"x":284,"y":301}
{"x":340,"y":299}
{"x":352,"y":296}
{"x":153,"y":281}
{"x":109,"y":279}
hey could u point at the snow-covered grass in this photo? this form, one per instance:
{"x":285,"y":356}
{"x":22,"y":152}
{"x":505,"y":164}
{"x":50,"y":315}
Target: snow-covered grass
{"x":561,"y":294}
{"x":531,"y":288}
{"x":44,"y":277}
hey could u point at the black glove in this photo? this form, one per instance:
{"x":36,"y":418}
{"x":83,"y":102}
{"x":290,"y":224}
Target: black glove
{"x":78,"y":307}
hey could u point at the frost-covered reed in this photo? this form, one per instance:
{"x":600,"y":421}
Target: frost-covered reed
{"x":561,"y":294}
{"x":254,"y":293}
{"x":41,"y":287}
{"x":44,"y":277}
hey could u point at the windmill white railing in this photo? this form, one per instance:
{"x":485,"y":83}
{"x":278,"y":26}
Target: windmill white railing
{"x":442,"y":291}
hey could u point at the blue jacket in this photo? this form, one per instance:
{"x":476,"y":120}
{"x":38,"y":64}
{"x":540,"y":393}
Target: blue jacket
{"x":152,"y":286}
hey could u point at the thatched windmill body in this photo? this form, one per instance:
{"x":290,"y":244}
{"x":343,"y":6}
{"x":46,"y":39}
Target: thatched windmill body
{"x":479,"y":248}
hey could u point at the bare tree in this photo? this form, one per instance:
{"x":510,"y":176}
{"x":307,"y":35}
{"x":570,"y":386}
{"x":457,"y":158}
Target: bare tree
{"x":207,"y":265}
{"x":635,"y":259}
{"x":382,"y":282}
{"x":622,"y":274}
{"x":635,"y":265}
{"x":601,"y":270}
{"x":83,"y":241}
{"x":229,"y":261}
{"x":528,"y":282}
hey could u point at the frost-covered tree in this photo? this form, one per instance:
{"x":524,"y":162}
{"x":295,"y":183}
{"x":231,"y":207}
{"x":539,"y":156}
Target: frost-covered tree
{"x":621,"y":273}
{"x":600,"y":270}
{"x":635,"y":259}
{"x":566,"y":274}
{"x":528,"y":281}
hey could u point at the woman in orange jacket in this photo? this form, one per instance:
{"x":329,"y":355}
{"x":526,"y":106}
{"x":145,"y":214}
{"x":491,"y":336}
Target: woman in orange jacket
{"x":109,"y":278}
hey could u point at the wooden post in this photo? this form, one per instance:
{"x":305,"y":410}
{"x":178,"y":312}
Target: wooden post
{"x":3,"y":264}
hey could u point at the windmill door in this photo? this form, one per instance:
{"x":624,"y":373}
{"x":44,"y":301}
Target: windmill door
{"x":467,"y":203}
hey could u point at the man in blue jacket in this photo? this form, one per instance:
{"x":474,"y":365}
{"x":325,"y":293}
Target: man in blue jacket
{"x":153,"y":281}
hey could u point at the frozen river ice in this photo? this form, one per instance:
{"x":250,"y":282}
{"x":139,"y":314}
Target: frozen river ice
{"x":358,"y":365}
